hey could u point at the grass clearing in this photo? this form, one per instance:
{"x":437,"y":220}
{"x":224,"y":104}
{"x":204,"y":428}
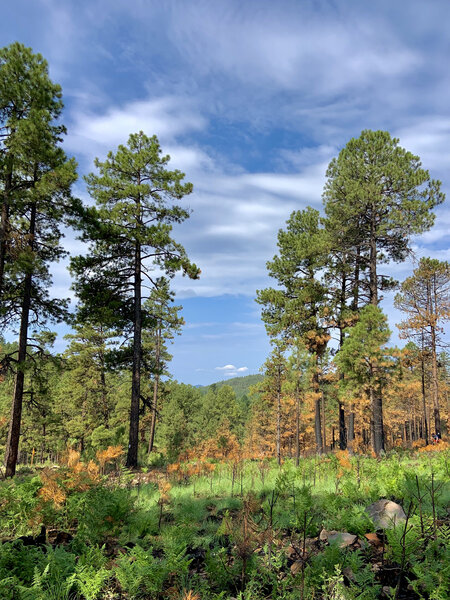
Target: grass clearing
{"x":178,"y":537}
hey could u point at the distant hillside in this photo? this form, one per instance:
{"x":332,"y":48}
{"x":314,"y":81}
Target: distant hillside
{"x":240,"y":385}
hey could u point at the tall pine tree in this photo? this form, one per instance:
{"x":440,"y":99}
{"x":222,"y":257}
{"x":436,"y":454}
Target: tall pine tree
{"x":376,"y":197}
{"x":130,"y":235}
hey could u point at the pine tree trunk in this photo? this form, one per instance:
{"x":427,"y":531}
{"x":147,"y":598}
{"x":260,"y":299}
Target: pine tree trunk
{"x":297,"y":430}
{"x":377,"y":421}
{"x":4,"y":227}
{"x":342,"y":428}
{"x":351,"y":428}
{"x":434,"y":376}
{"x":434,"y":366}
{"x":105,"y":407}
{"x":324,"y":435}
{"x":278,"y":441}
{"x":155,"y":392}
{"x":4,"y":222}
{"x":132,"y":457}
{"x":424,"y":400}
{"x":373,"y":282}
{"x":12,"y":443}
{"x":317,"y":415}
{"x":376,"y":397}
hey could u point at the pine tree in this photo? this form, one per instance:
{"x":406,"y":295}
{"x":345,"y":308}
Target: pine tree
{"x":129,"y":232}
{"x":364,"y":362}
{"x":38,"y":177}
{"x":425,"y":298}
{"x":297,"y":309}
{"x":376,"y":197}
{"x":29,"y":101}
{"x":84,"y":386}
{"x":167,"y":323}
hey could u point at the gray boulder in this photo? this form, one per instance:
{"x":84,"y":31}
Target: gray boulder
{"x":386,"y":514}
{"x":342,"y":538}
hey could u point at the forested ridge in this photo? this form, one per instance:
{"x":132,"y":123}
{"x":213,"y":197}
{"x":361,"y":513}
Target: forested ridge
{"x":91,"y":425}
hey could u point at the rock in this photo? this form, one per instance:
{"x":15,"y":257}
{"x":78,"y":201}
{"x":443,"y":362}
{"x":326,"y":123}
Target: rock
{"x":296,"y":567}
{"x":385,"y":513}
{"x":342,"y":538}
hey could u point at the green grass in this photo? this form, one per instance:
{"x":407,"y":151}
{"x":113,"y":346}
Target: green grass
{"x":222,"y":545}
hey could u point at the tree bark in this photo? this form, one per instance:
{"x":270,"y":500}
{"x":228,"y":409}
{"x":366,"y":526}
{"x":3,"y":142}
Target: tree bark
{"x":317,"y":415}
{"x":434,"y":375}
{"x":12,"y":443}
{"x":133,"y":442}
{"x":155,"y":391}
{"x":342,"y":428}
{"x":297,"y":429}
{"x":424,"y":398}
{"x":351,"y":428}
{"x":278,"y":440}
{"x":434,"y":365}
{"x":4,"y":226}
{"x":377,"y":421}
{"x":104,"y":391}
{"x":324,"y":418}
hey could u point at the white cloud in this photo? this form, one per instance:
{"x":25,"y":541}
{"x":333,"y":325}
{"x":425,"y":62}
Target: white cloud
{"x":231,"y":370}
{"x":290,"y":48}
{"x":429,"y":137}
{"x":94,"y":134}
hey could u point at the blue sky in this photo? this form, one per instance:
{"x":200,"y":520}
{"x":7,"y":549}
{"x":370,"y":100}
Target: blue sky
{"x":252,"y":100}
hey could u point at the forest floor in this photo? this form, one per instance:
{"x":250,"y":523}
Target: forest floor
{"x":245,"y":530}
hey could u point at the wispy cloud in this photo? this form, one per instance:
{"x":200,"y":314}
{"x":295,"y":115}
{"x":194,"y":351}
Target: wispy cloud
{"x":232,"y":371}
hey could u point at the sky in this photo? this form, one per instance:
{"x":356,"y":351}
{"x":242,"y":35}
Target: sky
{"x":251,"y":100}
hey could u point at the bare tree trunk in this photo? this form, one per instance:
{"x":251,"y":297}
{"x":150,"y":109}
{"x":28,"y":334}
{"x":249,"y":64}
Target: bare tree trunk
{"x":376,"y":397}
{"x":297,"y":430}
{"x":434,"y":366}
{"x":155,"y":391}
{"x":105,"y":407}
{"x":132,"y":457}
{"x":342,"y":428}
{"x":278,"y":441}
{"x":324,"y":418}
{"x":376,"y":421}
{"x":12,"y":443}
{"x":351,"y":428}
{"x":317,"y":415}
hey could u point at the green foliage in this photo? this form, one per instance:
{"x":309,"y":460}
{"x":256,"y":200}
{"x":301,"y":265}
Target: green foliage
{"x":140,"y":573}
{"x":363,"y":352}
{"x":295,"y":308}
{"x":240,"y":385}
{"x":91,"y":574}
{"x":100,"y":512}
{"x":178,"y":418}
{"x":376,"y":197}
{"x":18,"y":502}
{"x":221,"y":546}
{"x":219,"y":407}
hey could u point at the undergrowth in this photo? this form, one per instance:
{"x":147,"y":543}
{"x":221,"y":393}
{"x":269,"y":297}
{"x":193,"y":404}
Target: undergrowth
{"x":190,"y":538}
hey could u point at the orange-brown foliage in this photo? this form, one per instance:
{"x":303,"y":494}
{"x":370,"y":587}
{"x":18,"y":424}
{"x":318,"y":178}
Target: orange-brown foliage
{"x":108,"y":455}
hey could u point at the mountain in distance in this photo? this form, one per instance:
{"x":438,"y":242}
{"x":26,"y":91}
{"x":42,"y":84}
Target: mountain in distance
{"x":240,"y":385}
